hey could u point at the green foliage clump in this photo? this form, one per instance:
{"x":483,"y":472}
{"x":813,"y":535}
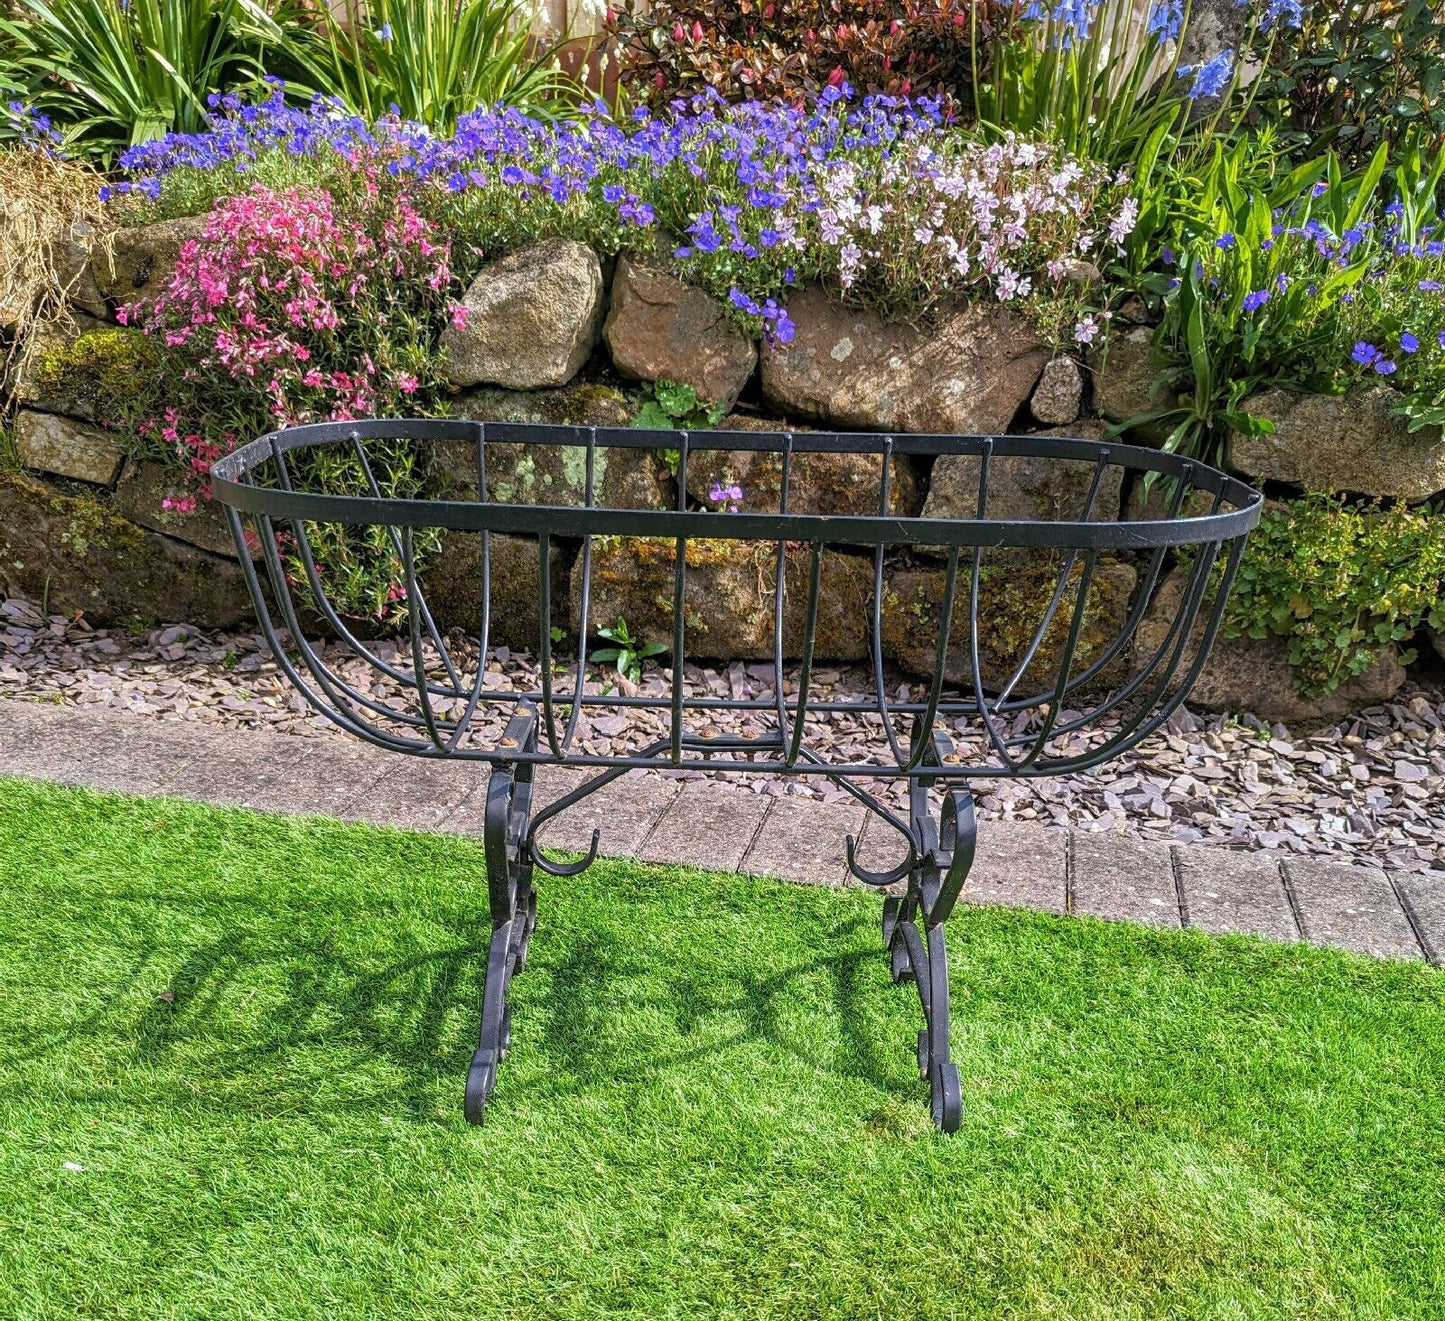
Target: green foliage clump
{"x":666,"y":404}
{"x":1342,"y":585}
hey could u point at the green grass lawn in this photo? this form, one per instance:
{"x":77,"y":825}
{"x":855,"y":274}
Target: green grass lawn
{"x":252,"y":1034}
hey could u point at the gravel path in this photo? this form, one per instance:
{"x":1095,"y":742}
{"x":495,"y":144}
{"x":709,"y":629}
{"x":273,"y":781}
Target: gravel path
{"x":1369,"y":788}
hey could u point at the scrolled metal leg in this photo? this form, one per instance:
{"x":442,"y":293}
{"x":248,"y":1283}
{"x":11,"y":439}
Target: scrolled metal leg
{"x":513,"y":909}
{"x":913,"y":937}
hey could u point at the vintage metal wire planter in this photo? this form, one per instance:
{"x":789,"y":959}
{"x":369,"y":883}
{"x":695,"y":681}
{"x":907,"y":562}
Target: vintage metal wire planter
{"x":1092,"y":704}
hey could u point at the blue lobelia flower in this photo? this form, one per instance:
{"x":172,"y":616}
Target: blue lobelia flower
{"x":1408,"y":342}
{"x":1254,"y":301}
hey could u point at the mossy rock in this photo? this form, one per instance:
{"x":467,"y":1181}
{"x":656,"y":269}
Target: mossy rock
{"x":728,"y":596}
{"x":552,"y":474}
{"x":104,"y":374}
{"x":1013,"y":600}
{"x":451,"y":582}
{"x":74,"y":552}
{"x":842,"y":484}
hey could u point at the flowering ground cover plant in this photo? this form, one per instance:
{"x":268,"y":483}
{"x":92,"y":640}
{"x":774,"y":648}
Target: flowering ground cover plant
{"x":879,"y":199}
{"x":1340,"y":585}
{"x":301,"y":306}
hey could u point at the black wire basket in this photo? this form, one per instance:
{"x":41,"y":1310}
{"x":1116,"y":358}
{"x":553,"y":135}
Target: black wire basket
{"x":1062,"y":692}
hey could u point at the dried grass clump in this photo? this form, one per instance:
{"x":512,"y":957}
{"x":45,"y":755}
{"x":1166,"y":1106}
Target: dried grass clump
{"x":50,"y":218}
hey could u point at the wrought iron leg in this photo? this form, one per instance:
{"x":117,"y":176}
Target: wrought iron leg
{"x":513,"y":907}
{"x":913,"y":935}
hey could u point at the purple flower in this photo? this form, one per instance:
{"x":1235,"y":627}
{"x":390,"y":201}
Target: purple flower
{"x":1385,"y":367}
{"x":1366,"y":354}
{"x":1225,"y":241}
{"x":1430,"y":286}
{"x":1254,"y":301}
{"x":1408,"y":342}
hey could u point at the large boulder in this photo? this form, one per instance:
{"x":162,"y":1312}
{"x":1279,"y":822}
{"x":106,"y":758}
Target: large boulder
{"x":728,"y":597}
{"x":969,"y":372}
{"x":580,"y":404}
{"x":532,"y":318}
{"x":535,"y":474}
{"x":67,"y":448}
{"x":1355,"y":443}
{"x":1025,"y":489}
{"x":140,"y":261}
{"x":451,"y":582}
{"x":80,"y":556}
{"x":818,"y":483}
{"x":1253,"y":675}
{"x":146,"y":495}
{"x":1013,"y":600}
{"x":70,"y":258}
{"x":660,"y":329}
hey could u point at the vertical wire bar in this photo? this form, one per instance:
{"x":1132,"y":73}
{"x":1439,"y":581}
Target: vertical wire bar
{"x":805,"y":675}
{"x":418,"y":658}
{"x":779,"y":585}
{"x":679,"y":599}
{"x":980,"y":705}
{"x":1143,"y":723}
{"x":587,"y":496}
{"x":332,"y":618}
{"x":544,"y":651}
{"x":923,"y":738}
{"x":1182,"y":487}
{"x":324,"y":677}
{"x":879,"y":693}
{"x":464,"y":721}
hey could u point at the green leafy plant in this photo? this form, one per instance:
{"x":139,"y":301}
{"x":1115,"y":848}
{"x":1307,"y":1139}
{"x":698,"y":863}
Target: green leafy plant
{"x":627,"y":652}
{"x":666,"y":404}
{"x":1356,"y":73}
{"x":112,"y":73}
{"x":432,"y":60}
{"x":1341,"y":585}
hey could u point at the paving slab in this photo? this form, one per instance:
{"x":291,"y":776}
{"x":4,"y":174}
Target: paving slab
{"x":1352,"y":907}
{"x":1121,"y":878}
{"x":1020,"y":865}
{"x":709,"y":825}
{"x":1244,"y":892}
{"x":724,"y":825}
{"x":418,"y":793}
{"x":801,"y":839}
{"x":623,"y":811}
{"x":1425,"y":898}
{"x":117,"y":753}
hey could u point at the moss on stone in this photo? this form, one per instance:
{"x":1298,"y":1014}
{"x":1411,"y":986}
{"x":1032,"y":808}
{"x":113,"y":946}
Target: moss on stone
{"x":112,"y":370}
{"x":1013,"y":599}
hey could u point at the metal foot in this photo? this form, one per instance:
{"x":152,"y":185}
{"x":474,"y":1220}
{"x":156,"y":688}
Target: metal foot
{"x":513,"y":909}
{"x":913,"y":937}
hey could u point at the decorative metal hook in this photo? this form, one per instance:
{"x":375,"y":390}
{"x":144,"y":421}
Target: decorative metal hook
{"x":880,"y":878}
{"x":544,"y":863}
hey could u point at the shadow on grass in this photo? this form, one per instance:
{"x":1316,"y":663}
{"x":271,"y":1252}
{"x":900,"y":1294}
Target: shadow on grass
{"x":390,"y":1029}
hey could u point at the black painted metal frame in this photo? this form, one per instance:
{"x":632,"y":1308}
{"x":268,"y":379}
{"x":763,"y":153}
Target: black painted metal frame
{"x":1023,"y":727}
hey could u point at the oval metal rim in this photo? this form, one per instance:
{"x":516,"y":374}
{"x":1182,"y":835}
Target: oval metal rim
{"x":230,"y":487}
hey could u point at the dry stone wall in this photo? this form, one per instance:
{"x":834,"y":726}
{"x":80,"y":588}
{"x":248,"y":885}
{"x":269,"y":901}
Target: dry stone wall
{"x":553,"y":334}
